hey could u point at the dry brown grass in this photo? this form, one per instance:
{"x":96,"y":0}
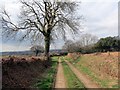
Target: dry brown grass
{"x":103,"y":65}
{"x":74,"y":56}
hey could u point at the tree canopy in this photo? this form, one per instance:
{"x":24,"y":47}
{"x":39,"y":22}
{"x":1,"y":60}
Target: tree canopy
{"x":108,"y":44}
{"x":37,"y":49}
{"x":70,"y":46}
{"x":43,"y":20}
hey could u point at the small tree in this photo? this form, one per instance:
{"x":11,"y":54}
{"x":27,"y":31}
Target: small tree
{"x":37,"y":49}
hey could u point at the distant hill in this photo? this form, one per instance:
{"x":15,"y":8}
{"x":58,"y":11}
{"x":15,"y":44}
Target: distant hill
{"x":57,"y":51}
{"x":17,"y":53}
{"x":29,"y":52}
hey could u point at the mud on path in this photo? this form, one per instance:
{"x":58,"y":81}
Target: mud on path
{"x":60,"y":79}
{"x":84,"y":79}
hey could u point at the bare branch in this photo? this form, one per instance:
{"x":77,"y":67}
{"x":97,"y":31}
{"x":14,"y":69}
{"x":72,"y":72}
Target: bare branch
{"x":34,"y":13}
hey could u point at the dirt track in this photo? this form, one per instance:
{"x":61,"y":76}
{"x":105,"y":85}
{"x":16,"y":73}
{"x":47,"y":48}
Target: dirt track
{"x":60,"y":79}
{"x":85,"y":80}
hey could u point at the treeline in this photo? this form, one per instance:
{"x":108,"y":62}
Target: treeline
{"x":108,"y":44}
{"x":90,"y":44}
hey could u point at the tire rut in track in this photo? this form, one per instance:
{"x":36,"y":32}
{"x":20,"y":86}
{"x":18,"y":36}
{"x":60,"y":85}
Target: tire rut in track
{"x":83,"y":78}
{"x":60,"y":79}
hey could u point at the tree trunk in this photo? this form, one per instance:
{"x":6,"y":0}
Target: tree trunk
{"x":47,"y":46}
{"x":36,"y":52}
{"x":47,"y":61}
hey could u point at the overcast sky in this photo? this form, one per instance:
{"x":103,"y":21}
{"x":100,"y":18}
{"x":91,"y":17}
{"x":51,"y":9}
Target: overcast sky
{"x":101,"y":19}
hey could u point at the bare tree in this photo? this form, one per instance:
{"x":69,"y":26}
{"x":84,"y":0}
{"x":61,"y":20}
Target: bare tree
{"x":37,"y":49}
{"x":87,"y":39}
{"x":67,"y":45}
{"x":44,"y":19}
{"x":70,"y":46}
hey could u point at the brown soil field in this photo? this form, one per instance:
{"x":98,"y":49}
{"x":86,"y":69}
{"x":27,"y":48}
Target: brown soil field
{"x":21,"y":72}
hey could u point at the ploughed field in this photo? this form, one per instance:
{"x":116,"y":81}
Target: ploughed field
{"x":22,"y":71}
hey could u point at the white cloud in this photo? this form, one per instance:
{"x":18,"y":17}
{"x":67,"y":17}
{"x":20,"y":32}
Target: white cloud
{"x":97,"y":0}
{"x":101,"y":18}
{"x":8,"y":47}
{"x":90,"y":0}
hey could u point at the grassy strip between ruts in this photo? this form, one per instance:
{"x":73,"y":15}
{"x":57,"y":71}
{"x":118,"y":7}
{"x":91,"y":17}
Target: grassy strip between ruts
{"x":48,"y":79}
{"x":71,"y":79}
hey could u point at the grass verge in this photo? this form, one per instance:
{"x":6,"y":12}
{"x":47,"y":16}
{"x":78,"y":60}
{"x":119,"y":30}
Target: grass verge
{"x":81,"y":64}
{"x":47,"y":81}
{"x":71,"y":79}
{"x":95,"y":78}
